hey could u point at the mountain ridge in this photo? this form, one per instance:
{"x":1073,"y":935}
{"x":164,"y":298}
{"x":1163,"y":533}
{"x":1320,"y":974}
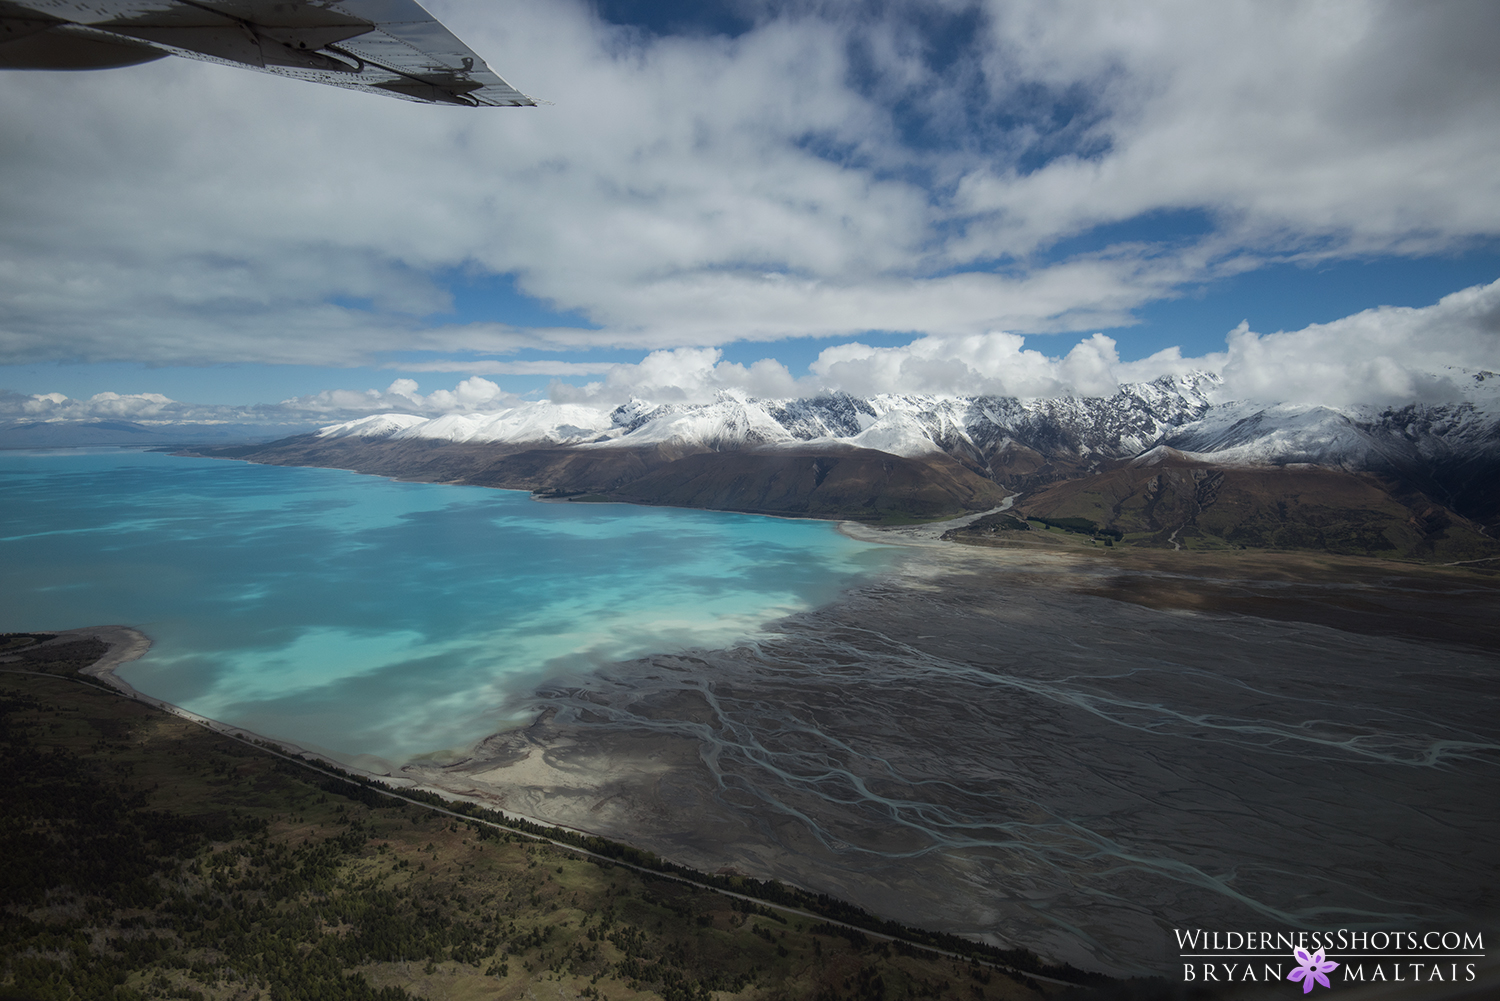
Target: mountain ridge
{"x":914,"y":457}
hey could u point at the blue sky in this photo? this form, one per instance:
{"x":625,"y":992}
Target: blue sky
{"x":1274,"y":298}
{"x":719,"y":183}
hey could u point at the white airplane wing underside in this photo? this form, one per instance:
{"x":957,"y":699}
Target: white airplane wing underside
{"x":390,"y":47}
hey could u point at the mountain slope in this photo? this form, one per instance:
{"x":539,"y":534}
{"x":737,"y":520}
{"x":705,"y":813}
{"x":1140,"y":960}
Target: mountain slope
{"x":1420,"y":480}
{"x":1169,"y":500}
{"x":853,"y":483}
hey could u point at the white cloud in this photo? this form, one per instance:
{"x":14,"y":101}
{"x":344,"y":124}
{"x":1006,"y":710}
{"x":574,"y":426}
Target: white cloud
{"x":45,"y":406}
{"x":1379,"y":356}
{"x":994,"y":364}
{"x":1313,"y":128}
{"x":683,"y":375}
{"x":691,"y":191}
{"x":1388,"y":355}
{"x":1385,"y":355}
{"x":472,"y":394}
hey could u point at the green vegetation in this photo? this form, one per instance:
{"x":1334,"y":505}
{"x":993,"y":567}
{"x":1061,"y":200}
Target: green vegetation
{"x":147,"y":857}
{"x":1003,"y":521}
{"x":1000,"y":530}
{"x":16,"y":642}
{"x":988,"y":530}
{"x":60,"y":658}
{"x":1081,"y":526}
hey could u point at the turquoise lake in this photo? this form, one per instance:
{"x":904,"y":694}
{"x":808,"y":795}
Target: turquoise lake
{"x":373,"y":620}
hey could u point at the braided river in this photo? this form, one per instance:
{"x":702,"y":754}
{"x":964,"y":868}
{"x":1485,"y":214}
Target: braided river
{"x":960,"y":739}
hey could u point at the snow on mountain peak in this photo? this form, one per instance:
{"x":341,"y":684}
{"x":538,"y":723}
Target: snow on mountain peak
{"x":555,"y":423}
{"x":1174,"y":411}
{"x":907,"y":425}
{"x":731,"y":421}
{"x":376,"y":426}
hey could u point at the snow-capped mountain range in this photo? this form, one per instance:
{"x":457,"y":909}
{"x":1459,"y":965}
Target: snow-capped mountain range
{"x":1154,"y":464}
{"x":1177,"y":413}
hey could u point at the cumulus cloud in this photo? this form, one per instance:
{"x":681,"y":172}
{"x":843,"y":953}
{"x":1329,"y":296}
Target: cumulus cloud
{"x":992,"y":364}
{"x":474,"y":394}
{"x":56,"y":406}
{"x":1385,"y":355}
{"x":822,"y":174}
{"x":683,"y":375}
{"x":1388,"y":355}
{"x":1380,"y":356}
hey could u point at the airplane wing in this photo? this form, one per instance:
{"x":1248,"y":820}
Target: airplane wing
{"x":390,"y":47}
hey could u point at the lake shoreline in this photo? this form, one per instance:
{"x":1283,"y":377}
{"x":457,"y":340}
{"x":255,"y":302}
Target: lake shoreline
{"x":126,"y":644}
{"x":646,"y":751}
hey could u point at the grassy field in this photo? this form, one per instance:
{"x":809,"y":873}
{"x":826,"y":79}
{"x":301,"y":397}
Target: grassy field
{"x":148,"y":857}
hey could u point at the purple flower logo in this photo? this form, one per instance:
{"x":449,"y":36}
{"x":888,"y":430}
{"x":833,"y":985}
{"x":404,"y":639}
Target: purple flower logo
{"x":1313,"y":968}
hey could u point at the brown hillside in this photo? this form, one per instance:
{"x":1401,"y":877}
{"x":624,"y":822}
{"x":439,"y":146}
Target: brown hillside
{"x":840,"y":482}
{"x":423,"y":460}
{"x":1177,"y":502}
{"x":1022,"y":468}
{"x":855,"y":483}
{"x":1162,"y":499}
{"x":564,"y":471}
